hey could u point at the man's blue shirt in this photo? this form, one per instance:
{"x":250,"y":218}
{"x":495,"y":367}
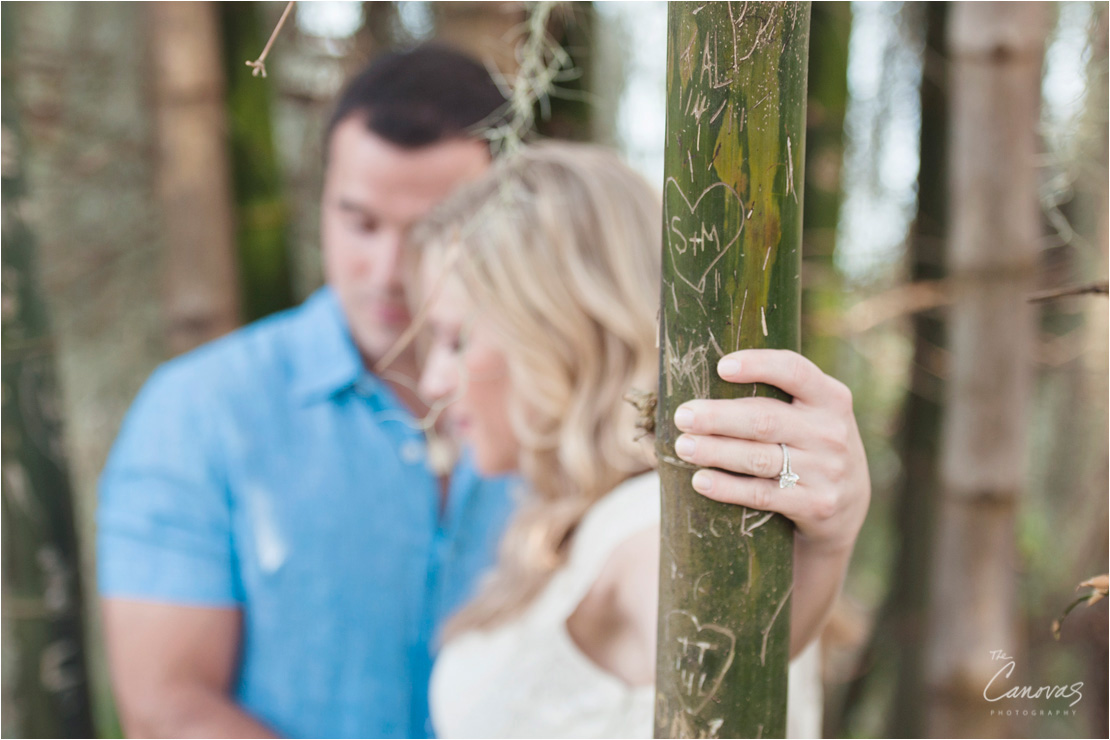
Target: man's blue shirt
{"x":270,"y":471}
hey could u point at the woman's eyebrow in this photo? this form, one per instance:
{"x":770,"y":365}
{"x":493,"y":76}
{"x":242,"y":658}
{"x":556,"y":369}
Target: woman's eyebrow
{"x":349,"y":206}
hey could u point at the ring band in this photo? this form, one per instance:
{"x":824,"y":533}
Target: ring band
{"x":787,"y":478}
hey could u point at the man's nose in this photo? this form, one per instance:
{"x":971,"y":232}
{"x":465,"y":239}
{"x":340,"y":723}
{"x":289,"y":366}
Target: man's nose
{"x":388,"y":268}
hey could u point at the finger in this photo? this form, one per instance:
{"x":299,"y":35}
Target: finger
{"x":758,"y":419}
{"x":786,"y":370}
{"x":755,"y":493}
{"x":734,"y":455}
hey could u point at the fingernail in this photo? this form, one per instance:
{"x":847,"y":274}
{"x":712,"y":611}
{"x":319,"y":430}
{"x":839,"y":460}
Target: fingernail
{"x":703,"y":481}
{"x":684,"y":418}
{"x":728,"y":367}
{"x":684,"y":446}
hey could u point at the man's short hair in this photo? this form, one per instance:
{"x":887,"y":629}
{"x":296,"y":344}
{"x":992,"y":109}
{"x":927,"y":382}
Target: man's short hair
{"x":419,"y":97}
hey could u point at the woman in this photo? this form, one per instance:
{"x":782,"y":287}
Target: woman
{"x":541,"y":283}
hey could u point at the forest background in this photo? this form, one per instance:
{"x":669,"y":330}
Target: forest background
{"x":157,"y":195}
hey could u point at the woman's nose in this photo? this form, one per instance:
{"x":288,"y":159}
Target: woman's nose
{"x":439,"y":379}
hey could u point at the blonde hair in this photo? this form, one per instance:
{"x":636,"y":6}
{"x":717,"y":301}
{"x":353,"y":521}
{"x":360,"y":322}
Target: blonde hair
{"x":559,"y":246}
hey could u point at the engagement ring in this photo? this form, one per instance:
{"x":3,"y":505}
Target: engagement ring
{"x":787,"y":478}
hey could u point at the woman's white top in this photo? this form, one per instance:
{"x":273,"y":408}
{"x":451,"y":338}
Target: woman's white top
{"x":527,"y":677}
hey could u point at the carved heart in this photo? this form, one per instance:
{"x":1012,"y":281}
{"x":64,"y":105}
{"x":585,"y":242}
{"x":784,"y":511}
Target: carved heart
{"x":705,"y":653}
{"x":680,"y":217}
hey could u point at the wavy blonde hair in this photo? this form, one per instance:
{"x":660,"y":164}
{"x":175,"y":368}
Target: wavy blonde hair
{"x":559,"y":247}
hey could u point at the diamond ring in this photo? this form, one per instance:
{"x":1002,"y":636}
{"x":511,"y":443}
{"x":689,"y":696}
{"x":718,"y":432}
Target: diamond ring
{"x":787,"y":478}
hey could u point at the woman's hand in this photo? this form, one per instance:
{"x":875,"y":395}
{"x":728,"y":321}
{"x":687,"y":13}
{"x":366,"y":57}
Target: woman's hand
{"x":830,"y":500}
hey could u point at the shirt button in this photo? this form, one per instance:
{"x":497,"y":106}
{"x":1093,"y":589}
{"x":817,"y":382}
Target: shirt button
{"x":412,"y":452}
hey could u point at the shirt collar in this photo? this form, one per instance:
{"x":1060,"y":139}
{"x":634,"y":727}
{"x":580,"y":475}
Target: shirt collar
{"x":325,"y":358}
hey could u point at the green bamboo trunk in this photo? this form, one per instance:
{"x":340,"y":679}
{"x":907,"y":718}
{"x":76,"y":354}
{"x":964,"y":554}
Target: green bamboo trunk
{"x":916,"y":508}
{"x":45,"y":686}
{"x":736,"y":91}
{"x":890,"y":670}
{"x":262,"y":218}
{"x":822,"y":295}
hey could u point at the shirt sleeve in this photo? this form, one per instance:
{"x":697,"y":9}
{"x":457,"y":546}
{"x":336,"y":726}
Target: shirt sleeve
{"x":164,"y":512}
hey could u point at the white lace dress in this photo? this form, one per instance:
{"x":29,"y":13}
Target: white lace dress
{"x":527,"y":678}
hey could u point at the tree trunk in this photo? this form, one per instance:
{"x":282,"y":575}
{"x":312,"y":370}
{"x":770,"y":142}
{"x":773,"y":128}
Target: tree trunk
{"x":895,"y":653}
{"x":822,"y":292}
{"x":261,"y":212}
{"x":736,"y":78}
{"x":377,"y":33}
{"x":83,"y":85}
{"x":488,"y":31}
{"x":46,"y":691}
{"x":997,"y":51}
{"x":915,"y":511}
{"x":1072,"y":502}
{"x":201,"y":299}
{"x":830,"y":29}
{"x":1098,"y":362}
{"x":608,"y":75}
{"x":306,"y":77}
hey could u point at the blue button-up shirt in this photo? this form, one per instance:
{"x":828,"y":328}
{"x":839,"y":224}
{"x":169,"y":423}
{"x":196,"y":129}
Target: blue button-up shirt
{"x":270,"y":471}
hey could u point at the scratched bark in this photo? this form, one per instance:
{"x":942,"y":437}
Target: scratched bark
{"x":736,"y":81}
{"x":45,"y":687}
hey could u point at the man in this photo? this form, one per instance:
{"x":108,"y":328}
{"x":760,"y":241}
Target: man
{"x":274,"y":551}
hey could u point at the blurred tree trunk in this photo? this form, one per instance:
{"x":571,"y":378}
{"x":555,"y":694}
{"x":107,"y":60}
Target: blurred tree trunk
{"x":1082,"y":462}
{"x":83,"y":89}
{"x":996,"y":55}
{"x":894,"y":656}
{"x":822,"y":292}
{"x":1098,"y":355}
{"x":1085,"y":374}
{"x":735,"y":142}
{"x":45,"y":682}
{"x":830,"y":29}
{"x":1068,"y":448}
{"x":261,"y":212}
{"x":201,"y":293}
{"x":609,"y":41}
{"x":488,"y":31}
{"x":307,"y":74}
{"x":922,"y":413}
{"x":377,"y":33}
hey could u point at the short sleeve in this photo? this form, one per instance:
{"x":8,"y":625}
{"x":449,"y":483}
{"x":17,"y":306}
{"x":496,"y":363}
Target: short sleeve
{"x":164,"y":513}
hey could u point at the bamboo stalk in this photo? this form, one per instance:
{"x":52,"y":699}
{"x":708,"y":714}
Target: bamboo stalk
{"x":45,"y":681}
{"x":201,"y":283}
{"x":261,"y":213}
{"x":994,"y":227}
{"x":736,"y":77}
